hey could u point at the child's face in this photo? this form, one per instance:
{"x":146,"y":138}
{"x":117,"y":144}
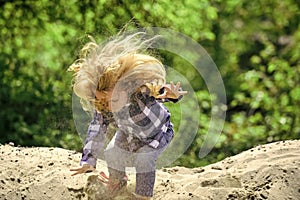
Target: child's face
{"x":115,"y":99}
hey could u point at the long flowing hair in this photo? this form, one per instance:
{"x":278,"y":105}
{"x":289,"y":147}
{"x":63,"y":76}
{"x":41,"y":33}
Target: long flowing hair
{"x":122,"y":58}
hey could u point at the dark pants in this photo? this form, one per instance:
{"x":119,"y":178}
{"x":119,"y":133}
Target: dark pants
{"x":120,"y":154}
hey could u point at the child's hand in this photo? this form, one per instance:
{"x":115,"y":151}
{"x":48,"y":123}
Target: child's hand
{"x":172,"y":91}
{"x":83,"y":169}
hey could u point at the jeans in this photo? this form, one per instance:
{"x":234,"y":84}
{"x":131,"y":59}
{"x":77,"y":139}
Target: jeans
{"x":120,"y":154}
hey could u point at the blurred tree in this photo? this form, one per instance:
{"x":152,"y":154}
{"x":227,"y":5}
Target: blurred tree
{"x":255,"y":44}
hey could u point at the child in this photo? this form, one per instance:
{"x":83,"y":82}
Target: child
{"x":125,"y":86}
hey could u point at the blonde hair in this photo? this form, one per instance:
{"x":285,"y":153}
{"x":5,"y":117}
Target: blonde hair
{"x":123,"y":61}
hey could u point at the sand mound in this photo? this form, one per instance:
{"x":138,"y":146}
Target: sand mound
{"x":270,"y":171}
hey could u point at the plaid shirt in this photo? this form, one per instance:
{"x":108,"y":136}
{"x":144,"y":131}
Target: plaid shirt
{"x":144,"y":119}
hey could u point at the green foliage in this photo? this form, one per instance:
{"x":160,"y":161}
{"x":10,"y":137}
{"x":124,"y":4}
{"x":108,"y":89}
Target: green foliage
{"x":255,"y":44}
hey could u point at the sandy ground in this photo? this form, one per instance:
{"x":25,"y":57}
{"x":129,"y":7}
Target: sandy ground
{"x":270,"y":171}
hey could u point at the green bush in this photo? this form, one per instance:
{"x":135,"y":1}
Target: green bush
{"x":255,"y":45}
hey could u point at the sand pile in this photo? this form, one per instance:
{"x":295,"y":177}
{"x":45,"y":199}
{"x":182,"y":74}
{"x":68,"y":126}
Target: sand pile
{"x":269,"y":171}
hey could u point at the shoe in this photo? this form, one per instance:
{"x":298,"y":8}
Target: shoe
{"x":139,"y":197}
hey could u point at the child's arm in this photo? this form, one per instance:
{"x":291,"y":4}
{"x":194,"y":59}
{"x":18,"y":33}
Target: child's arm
{"x":94,"y":144}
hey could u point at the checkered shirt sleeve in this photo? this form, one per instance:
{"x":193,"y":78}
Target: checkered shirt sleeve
{"x":94,"y":143}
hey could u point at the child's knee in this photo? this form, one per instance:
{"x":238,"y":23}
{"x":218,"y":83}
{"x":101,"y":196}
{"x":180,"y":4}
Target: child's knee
{"x":145,"y":164}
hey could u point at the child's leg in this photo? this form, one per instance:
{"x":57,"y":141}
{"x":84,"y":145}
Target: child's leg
{"x":145,"y":183}
{"x":145,"y":165}
{"x":116,"y":156}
